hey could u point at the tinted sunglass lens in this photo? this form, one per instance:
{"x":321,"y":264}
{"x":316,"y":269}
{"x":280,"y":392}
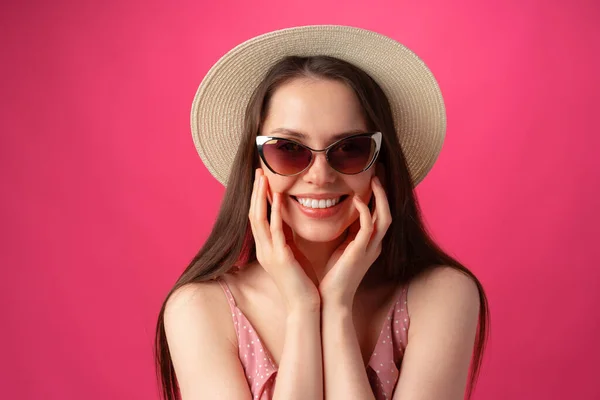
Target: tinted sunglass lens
{"x":286,"y":157}
{"x":352,"y":155}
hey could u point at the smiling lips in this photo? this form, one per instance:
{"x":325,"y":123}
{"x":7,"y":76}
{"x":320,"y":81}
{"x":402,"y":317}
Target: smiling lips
{"x":319,"y":208}
{"x":318,"y":203}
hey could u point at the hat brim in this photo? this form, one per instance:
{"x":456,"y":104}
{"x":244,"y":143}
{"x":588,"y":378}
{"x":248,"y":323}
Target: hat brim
{"x":415,"y":98}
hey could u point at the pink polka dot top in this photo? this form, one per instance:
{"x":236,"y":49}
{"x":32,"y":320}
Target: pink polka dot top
{"x":382,"y":370}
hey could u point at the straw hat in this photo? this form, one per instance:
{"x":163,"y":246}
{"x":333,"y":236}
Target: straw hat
{"x":415,"y":98}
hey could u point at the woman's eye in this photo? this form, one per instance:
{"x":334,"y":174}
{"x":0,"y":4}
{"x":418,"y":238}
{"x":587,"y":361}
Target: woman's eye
{"x":345,"y":147}
{"x":290,"y":147}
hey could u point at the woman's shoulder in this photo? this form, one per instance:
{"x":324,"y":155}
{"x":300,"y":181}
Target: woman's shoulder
{"x":196,"y":306}
{"x":443,"y":305}
{"x":442,"y":291}
{"x":442,"y":280}
{"x":200,"y":294}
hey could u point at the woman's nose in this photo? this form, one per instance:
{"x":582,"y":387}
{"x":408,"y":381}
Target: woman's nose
{"x":320,"y":172}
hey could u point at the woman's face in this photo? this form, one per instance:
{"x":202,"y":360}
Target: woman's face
{"x":318,"y":110}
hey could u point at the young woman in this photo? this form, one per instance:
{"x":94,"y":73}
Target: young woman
{"x":319,"y":279}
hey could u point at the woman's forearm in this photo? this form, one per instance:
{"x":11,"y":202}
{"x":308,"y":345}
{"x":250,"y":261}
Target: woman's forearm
{"x":345,"y":375}
{"x":300,"y":374}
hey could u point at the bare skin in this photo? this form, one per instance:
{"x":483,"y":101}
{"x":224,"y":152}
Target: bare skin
{"x":254,"y":293}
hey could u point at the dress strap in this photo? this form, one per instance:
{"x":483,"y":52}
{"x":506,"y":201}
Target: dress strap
{"x":228,"y":294}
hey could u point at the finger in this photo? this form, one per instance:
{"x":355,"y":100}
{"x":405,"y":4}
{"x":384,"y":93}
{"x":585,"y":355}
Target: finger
{"x":261,"y":225}
{"x":253,"y":200}
{"x":254,"y":191}
{"x":276,"y":223}
{"x":261,"y":206}
{"x":383,"y":216}
{"x":261,"y":198}
{"x":366,"y":223}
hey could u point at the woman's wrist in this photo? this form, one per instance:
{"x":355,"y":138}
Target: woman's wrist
{"x":303,"y":310}
{"x":340,"y":303}
{"x":303,"y":319}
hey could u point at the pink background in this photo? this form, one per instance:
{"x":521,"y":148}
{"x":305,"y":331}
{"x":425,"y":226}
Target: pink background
{"x":104,"y":199}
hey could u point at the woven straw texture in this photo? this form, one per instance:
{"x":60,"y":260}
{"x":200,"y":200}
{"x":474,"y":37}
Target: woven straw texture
{"x":415,"y":97}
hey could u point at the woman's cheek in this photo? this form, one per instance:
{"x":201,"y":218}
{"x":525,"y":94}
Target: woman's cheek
{"x":273,"y":186}
{"x":365,"y":194}
{"x":276,"y":186}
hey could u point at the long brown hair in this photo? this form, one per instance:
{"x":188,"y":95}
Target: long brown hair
{"x":407,"y":249}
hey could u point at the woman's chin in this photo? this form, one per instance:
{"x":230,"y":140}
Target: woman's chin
{"x":318,"y":234}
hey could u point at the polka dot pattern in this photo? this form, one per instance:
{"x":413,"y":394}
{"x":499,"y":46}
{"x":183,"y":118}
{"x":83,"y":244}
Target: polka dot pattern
{"x":258,"y":364}
{"x":383,"y":368}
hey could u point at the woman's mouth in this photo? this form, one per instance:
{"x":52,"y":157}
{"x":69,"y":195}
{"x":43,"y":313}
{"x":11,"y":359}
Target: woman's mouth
{"x":319,"y":203}
{"x":320,"y":208}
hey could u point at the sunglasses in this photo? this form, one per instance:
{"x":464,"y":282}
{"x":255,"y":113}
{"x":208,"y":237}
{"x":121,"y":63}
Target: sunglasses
{"x":350,"y":155}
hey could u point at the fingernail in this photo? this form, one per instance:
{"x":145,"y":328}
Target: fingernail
{"x":261,"y":181}
{"x":376,"y":179}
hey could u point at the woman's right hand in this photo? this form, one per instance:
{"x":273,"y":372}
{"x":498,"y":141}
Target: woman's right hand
{"x":274,"y":253}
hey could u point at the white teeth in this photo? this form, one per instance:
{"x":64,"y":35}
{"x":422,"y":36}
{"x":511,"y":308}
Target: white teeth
{"x":314,"y":203}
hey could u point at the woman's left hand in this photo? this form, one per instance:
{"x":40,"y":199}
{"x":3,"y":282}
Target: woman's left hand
{"x":350,"y":262}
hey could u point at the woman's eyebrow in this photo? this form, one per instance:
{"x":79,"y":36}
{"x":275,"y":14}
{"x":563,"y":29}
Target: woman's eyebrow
{"x":300,"y":135}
